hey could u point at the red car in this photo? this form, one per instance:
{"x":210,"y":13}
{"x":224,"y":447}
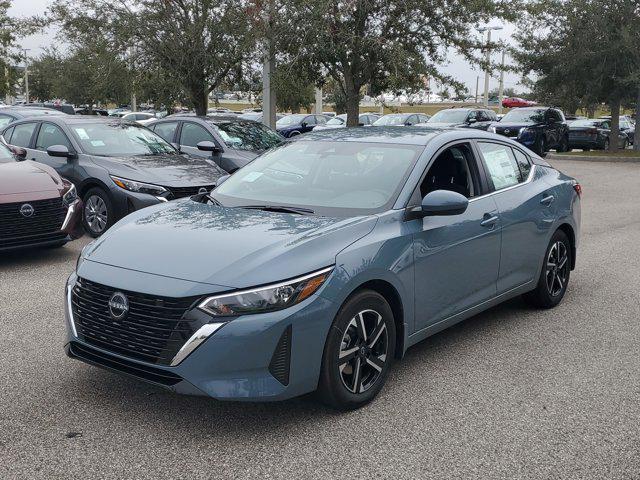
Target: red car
{"x":513,"y":102}
{"x":37,"y":206}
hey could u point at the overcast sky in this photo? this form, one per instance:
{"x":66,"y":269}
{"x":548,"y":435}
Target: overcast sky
{"x":457,"y":67}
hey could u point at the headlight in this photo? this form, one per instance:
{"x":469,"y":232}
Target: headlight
{"x":138,"y":187}
{"x":266,"y":299}
{"x":70,"y":194}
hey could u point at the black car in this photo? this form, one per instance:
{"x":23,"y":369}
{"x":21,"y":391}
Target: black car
{"x":117,"y":167}
{"x":292,"y":125}
{"x":11,"y":114}
{"x":538,"y":128}
{"x":61,"y":107}
{"x":626,"y":126}
{"x":229,"y":141}
{"x":593,"y":134}
{"x":480,"y":118}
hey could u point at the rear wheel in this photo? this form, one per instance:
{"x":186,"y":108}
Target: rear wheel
{"x":606,"y":144}
{"x":360,"y":346}
{"x":554,"y":277}
{"x":97,"y":215}
{"x":564,"y":145}
{"x":541,"y":146}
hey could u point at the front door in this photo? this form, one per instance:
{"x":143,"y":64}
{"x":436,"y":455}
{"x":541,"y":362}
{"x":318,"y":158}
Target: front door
{"x":457,"y":257}
{"x":47,"y":136}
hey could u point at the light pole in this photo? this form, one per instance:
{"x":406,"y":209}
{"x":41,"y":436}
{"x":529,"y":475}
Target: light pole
{"x":26,"y":75}
{"x":501,"y":87}
{"x":488,"y":60}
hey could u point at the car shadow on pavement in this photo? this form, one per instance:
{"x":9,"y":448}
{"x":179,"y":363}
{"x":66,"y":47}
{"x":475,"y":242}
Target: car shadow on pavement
{"x":126,"y":397}
{"x":37,"y":257}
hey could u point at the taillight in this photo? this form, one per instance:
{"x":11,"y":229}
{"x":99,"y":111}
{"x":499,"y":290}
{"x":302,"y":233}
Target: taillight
{"x":578,"y":188}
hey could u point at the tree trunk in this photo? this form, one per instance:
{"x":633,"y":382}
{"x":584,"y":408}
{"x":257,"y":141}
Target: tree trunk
{"x":614,"y":141}
{"x":200,"y":98}
{"x":636,"y":135}
{"x":352,"y":104}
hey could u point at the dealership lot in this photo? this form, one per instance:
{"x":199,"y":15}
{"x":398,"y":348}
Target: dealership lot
{"x":511,"y":393}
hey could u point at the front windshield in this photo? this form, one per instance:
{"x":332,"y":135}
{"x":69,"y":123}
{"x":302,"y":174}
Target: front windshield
{"x":524,"y":116}
{"x":334,"y":178}
{"x":250,"y":136}
{"x":586,"y":123}
{"x":449,"y":116}
{"x":5,"y":155}
{"x":290,"y":120}
{"x":339,"y":120}
{"x":119,"y":139}
{"x":391,"y":120}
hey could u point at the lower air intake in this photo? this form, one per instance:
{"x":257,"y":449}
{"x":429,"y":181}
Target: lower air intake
{"x":279,"y":365}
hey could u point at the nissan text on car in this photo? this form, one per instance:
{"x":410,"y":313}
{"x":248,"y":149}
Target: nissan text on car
{"x":322,"y":261}
{"x":38,"y":208}
{"x":117,"y":167}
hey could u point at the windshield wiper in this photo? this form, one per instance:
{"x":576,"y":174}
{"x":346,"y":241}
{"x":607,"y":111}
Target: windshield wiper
{"x":280,"y":208}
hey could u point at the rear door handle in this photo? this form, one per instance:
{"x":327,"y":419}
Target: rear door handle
{"x":548,"y":200}
{"x":489,"y":220}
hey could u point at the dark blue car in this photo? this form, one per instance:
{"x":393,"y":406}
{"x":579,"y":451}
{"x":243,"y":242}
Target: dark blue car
{"x":317,"y":264}
{"x":292,"y":125}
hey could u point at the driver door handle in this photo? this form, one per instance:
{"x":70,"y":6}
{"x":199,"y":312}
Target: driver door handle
{"x":548,"y":200}
{"x":489,"y":220}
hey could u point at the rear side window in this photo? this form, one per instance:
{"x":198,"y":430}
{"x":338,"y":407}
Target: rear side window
{"x":22,"y":135}
{"x":192,"y":134}
{"x":50,"y":135}
{"x":501,"y":164}
{"x":7,"y":134}
{"x":524,"y":164}
{"x":166,"y":130}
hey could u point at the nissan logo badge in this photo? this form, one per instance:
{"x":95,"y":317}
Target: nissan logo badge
{"x":118,"y":306}
{"x":27,"y":210}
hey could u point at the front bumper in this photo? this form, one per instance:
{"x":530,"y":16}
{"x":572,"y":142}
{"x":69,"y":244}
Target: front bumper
{"x":234,"y":362}
{"x":126,"y":202}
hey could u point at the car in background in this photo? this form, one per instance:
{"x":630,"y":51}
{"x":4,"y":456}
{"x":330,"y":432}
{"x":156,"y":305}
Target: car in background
{"x":515,"y":102}
{"x":142,"y":118}
{"x":117,"y":167}
{"x":257,"y":116}
{"x":627,"y":126}
{"x":11,"y":114}
{"x":538,"y":128}
{"x":100,"y":112}
{"x":593,"y":134}
{"x":38,"y":208}
{"x":228,"y":141}
{"x":480,"y":118}
{"x":299,"y":123}
{"x":340,"y":121}
{"x":401,"y":119}
{"x":321,"y":262}
{"x":62,"y":107}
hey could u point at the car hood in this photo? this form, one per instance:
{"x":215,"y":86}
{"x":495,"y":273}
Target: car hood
{"x":513,"y":125}
{"x":167,"y":170}
{"x":27,"y":177}
{"x":443,"y":124}
{"x":232,"y":247}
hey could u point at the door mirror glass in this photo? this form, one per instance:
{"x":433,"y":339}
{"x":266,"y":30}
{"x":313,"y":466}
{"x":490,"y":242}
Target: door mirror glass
{"x":444,"y":202}
{"x":59,"y":151}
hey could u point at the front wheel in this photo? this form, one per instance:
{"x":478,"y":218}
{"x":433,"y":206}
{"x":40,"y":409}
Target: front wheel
{"x":554,"y":277}
{"x":359,"y":349}
{"x":541,"y":146}
{"x":97,"y":215}
{"x":564,"y":145}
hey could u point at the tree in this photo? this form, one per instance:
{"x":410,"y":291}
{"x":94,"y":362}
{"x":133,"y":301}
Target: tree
{"x":382,"y":44}
{"x":586,"y":54}
{"x":196,"y":43}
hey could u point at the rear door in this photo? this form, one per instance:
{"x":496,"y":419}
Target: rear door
{"x":23,"y":136}
{"x":527,"y":210}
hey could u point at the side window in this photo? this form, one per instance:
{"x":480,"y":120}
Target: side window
{"x":454,"y":169}
{"x":412,"y":120}
{"x":50,"y":135}
{"x":321,"y":120}
{"x":22,"y":134}
{"x":524,"y":164}
{"x":500,"y":164}
{"x":7,"y":134}
{"x":192,"y":134}
{"x":166,"y":130}
{"x":483,"y":116}
{"x":423,"y":118}
{"x":472,"y":115}
{"x":606,"y":125}
{"x":310,"y":120}
{"x":5,"y":120}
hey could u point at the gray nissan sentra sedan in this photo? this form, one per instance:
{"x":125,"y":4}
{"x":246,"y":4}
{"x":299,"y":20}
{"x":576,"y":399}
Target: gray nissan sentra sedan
{"x":320,"y":262}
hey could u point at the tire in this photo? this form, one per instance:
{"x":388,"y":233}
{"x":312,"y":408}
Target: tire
{"x":625,"y":144}
{"x":295,"y":133}
{"x":606,"y":144}
{"x":540,"y":147}
{"x":564,"y":145}
{"x":347,"y":351}
{"x":97,"y":215}
{"x":553,"y":281}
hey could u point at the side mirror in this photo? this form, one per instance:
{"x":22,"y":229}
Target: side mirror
{"x":361,"y":124}
{"x":208,"y":146}
{"x":19,"y":152}
{"x":303,"y":124}
{"x":221,"y":180}
{"x":442,"y":202}
{"x":60,"y":151}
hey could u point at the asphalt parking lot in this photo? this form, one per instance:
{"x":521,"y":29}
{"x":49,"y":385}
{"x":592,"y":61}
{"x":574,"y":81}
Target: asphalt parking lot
{"x":511,"y":393}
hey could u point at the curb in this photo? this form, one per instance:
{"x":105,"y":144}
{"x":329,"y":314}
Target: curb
{"x":592,"y":158}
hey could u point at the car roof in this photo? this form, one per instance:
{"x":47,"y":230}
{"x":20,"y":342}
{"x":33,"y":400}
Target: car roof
{"x":207,"y":118}
{"x":400,"y":135}
{"x":73,"y":119}
{"x":34,"y":110}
